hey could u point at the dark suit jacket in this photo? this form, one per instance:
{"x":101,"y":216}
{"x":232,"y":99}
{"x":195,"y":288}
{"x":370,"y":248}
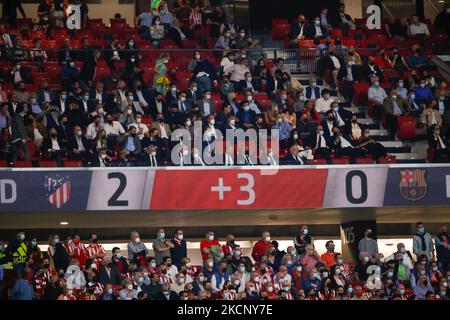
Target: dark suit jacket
{"x":72,"y":143}
{"x":96,"y":162}
{"x":327,"y":63}
{"x":145,"y":159}
{"x":326,"y":132}
{"x":173,"y":296}
{"x":295,"y":30}
{"x":41,"y":96}
{"x":356,"y":74}
{"x":241,"y":114}
{"x":336,"y":19}
{"x":47,"y":144}
{"x":433,"y":142}
{"x":308,"y":92}
{"x":123,"y":140}
{"x":114,"y":278}
{"x":388,"y":105}
{"x":337,"y":145}
{"x":311,"y":32}
{"x":243,"y":85}
{"x":289,"y":160}
{"x":367,"y":72}
{"x":313,"y":141}
{"x":25,"y":74}
{"x":170,"y":98}
{"x":87,"y":72}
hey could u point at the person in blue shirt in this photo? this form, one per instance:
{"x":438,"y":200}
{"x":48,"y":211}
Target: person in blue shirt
{"x":313,"y":281}
{"x":423,"y":92}
{"x":417,"y":60}
{"x":22,"y":289}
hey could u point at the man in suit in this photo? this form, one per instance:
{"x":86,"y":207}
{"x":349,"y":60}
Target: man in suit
{"x":66,"y":53}
{"x":78,"y":146}
{"x":130,"y":142}
{"x":53,"y":146}
{"x":248,"y":84}
{"x":109,"y":273}
{"x":172,"y":95}
{"x":207,"y":106}
{"x":146,"y":99}
{"x":282,"y":99}
{"x":101,"y":159}
{"x":18,"y":136}
{"x":312,"y":91}
{"x":20,"y":73}
{"x":341,"y":116}
{"x":167,"y":294}
{"x":393,"y":106}
{"x":157,"y":104}
{"x":371,"y":69}
{"x":274,"y":83}
{"x":182,"y":104}
{"x":436,"y":140}
{"x":328,"y":124}
{"x":175,"y":117}
{"x":45,"y":94}
{"x":298,"y":30}
{"x":320,"y":144}
{"x":348,"y":74}
{"x":192,"y":94}
{"x":416,"y":107}
{"x":294,"y":157}
{"x":99,"y":93}
{"x":343,"y":21}
{"x":151,"y":157}
{"x":343,"y":145}
{"x":316,"y":31}
{"x":246,"y":116}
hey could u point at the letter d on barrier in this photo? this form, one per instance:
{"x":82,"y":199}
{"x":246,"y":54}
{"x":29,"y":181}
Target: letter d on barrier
{"x":3,"y":196}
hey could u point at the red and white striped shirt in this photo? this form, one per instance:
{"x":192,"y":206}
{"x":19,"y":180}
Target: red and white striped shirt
{"x":79,"y":252}
{"x":289,"y":296}
{"x":195,"y":19}
{"x":93,"y":250}
{"x":164,"y":279}
{"x":327,"y":295}
{"x":191,"y":271}
{"x":40,"y":284}
{"x":231,"y":296}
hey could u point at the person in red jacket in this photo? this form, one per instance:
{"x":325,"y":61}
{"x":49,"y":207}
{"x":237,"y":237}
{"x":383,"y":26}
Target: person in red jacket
{"x":206,"y":244}
{"x":260,"y":247}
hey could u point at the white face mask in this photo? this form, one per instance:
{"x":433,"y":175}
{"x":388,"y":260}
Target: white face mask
{"x":129,"y":112}
{"x":138,"y":120}
{"x":208,"y":97}
{"x":137,"y":240}
{"x":183,"y":99}
{"x":210,"y":238}
{"x":180,"y":237}
{"x":210,"y":264}
{"x":212,"y":122}
{"x":249,"y":98}
{"x":232,"y":122}
{"x":188,"y":123}
{"x":267,"y":238}
{"x":130,"y":287}
{"x":153,"y":265}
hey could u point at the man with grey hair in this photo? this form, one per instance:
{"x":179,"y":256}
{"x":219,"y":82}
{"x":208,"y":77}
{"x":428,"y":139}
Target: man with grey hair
{"x":136,"y":247}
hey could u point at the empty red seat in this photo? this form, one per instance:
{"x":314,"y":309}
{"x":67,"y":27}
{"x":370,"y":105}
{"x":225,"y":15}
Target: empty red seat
{"x":406,"y":127}
{"x":317,"y":161}
{"x":280,"y":31}
{"x":365,"y":160}
{"x":360,"y":93}
{"x":387,"y":160}
{"x":72,"y":164}
{"x":23,"y":164}
{"x":339,"y":160}
{"x":3,"y":164}
{"x":47,"y":164}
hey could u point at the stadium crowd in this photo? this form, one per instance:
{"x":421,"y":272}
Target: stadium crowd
{"x":72,"y":269}
{"x":113,"y":96}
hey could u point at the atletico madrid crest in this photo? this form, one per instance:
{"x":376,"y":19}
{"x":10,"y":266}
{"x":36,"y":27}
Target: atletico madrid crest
{"x":413,"y":184}
{"x":58,"y":189}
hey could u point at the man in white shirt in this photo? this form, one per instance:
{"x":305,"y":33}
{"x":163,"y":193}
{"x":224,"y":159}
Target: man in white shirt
{"x":113,"y":129}
{"x":323,"y":104}
{"x":53,"y":147}
{"x":376,"y":95}
{"x":93,"y":128}
{"x":142,"y":128}
{"x":418,"y":29}
{"x":252,"y":103}
{"x":237,"y":71}
{"x":344,"y":146}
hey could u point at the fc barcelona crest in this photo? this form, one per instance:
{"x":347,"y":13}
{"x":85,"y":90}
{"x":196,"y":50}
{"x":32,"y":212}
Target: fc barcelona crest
{"x":413,"y":184}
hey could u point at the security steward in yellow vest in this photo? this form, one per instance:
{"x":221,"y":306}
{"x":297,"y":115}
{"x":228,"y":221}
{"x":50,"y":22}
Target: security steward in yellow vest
{"x":18,"y":251}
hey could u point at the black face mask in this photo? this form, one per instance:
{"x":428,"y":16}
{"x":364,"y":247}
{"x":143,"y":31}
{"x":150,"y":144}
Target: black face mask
{"x":46,"y":265}
{"x":94,"y":241}
{"x":224,"y":270}
{"x":110,"y":121}
{"x":109,"y":265}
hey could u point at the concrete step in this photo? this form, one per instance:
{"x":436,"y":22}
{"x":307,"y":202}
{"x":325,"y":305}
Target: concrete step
{"x":396,"y":150}
{"x":407,"y":156}
{"x":392,"y":144}
{"x":379,"y":132}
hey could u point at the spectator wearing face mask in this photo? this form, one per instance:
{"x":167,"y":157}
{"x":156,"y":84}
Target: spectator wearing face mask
{"x":394,"y":106}
{"x":417,"y":60}
{"x":423,"y":242}
{"x":332,"y":64}
{"x":442,"y":241}
{"x":323,"y":104}
{"x":161,"y":246}
{"x":329,"y":256}
{"x":210,"y":247}
{"x":423,"y":288}
{"x":316,"y":30}
{"x":167,"y":293}
{"x":136,"y":247}
{"x":310,"y":258}
{"x":423,"y":92}
{"x":362,"y":266}
{"x":371,"y":69}
{"x":128,"y":292}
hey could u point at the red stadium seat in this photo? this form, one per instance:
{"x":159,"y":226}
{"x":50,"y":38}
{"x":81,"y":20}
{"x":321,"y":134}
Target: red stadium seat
{"x":280,"y":31}
{"x":406,"y":127}
{"x":23,"y":164}
{"x":3,"y":164}
{"x":339,"y":160}
{"x":317,"y":162}
{"x":387,"y":160}
{"x":360,"y":93}
{"x":365,"y":160}
{"x":47,"y":164}
{"x":37,"y":34}
{"x":73,"y":164}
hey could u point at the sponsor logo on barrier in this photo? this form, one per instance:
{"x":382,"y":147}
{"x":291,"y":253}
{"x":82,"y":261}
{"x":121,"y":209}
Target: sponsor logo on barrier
{"x":413,"y":184}
{"x":58,"y":190}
